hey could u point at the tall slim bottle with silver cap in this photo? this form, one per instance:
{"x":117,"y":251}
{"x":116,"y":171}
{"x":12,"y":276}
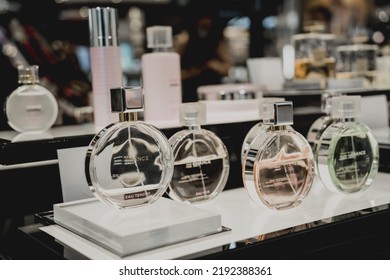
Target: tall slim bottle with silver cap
{"x":128,"y":163}
{"x":106,"y":66}
{"x":279,"y":168}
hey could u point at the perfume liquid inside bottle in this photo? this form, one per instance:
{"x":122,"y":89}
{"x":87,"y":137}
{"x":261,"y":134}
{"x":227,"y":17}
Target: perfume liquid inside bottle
{"x":279,"y":167}
{"x":347,"y":154}
{"x":201,"y":165}
{"x":31,"y":107}
{"x":129,"y":163}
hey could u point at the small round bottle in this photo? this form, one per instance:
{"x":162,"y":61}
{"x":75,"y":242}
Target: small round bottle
{"x":266,"y":112}
{"x":347,"y":155}
{"x":279,"y":168}
{"x":128,"y":163}
{"x":318,"y":126}
{"x":31,"y":107}
{"x":201,"y":159}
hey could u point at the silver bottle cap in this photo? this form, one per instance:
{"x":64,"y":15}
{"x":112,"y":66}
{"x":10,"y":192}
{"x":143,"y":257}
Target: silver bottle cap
{"x":283,"y":114}
{"x":192,"y":113}
{"x":346,"y":107}
{"x":126,"y":99}
{"x":28,"y":74}
{"x":159,"y":37}
{"x":103,"y":26}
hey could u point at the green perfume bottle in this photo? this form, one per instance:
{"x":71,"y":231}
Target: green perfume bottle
{"x":347,"y":154}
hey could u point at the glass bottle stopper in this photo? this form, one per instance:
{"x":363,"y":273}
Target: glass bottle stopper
{"x":28,"y":74}
{"x":326,"y":101}
{"x":192,"y":113}
{"x":127,"y":101}
{"x":346,"y":107}
{"x":159,"y":37}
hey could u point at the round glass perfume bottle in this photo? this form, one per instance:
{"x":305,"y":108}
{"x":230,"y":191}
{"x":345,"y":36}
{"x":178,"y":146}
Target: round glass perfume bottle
{"x":31,"y":107}
{"x":279,"y":168}
{"x":128,"y":163}
{"x":201,"y":159}
{"x":318,"y":126}
{"x":347,"y":155}
{"x":266,"y":113}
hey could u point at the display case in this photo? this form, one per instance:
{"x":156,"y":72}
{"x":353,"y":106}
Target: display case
{"x":325,"y":225}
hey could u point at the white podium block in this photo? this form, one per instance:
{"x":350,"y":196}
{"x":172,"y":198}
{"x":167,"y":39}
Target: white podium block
{"x":133,"y":230}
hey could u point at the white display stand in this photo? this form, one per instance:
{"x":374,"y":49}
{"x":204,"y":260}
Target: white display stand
{"x":134,"y":230}
{"x":245,"y":219}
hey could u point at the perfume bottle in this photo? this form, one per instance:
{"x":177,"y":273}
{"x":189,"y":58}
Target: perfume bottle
{"x":31,"y":107}
{"x":279,"y":168}
{"x":201,"y":159}
{"x":266,"y":113}
{"x":106,"y":69}
{"x":318,"y":126}
{"x":161,"y":76}
{"x":128,"y":163}
{"x":347,"y":155}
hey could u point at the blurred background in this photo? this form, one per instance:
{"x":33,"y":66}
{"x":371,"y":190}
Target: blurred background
{"x":54,"y":35}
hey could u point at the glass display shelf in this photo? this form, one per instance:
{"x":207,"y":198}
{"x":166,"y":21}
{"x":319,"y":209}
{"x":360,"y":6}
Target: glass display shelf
{"x":325,"y":226}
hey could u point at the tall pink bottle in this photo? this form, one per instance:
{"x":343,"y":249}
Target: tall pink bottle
{"x":161,"y":77}
{"x":106,"y":66}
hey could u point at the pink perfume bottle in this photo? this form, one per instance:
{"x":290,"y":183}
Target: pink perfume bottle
{"x":106,"y":66}
{"x":279,"y":167}
{"x":161,"y":76}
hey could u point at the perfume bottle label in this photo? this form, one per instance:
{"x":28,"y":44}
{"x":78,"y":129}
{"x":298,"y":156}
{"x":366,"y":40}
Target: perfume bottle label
{"x":352,"y":160}
{"x":34,"y":108}
{"x":139,"y":195}
{"x":197,"y":178}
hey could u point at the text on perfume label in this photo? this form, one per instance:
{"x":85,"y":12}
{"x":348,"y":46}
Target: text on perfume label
{"x":197,"y":163}
{"x":34,"y":108}
{"x":351,"y":155}
{"x":125,"y":160}
{"x":136,"y":195}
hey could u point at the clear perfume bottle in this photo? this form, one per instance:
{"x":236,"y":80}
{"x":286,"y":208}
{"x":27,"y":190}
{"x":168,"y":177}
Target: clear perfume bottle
{"x":318,"y":126}
{"x":279,"y":168}
{"x":31,"y":107}
{"x":128,"y":163}
{"x":201,"y":159}
{"x":266,"y":113}
{"x":347,"y":155}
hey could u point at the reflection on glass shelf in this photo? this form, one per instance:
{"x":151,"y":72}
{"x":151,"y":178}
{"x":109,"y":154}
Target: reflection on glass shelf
{"x":252,"y":224}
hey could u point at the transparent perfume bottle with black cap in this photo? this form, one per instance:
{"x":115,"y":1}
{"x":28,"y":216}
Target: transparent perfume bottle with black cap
{"x":31,"y":107}
{"x":347,"y":154}
{"x":279,"y":167}
{"x":128,"y":163}
{"x":201,"y":159}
